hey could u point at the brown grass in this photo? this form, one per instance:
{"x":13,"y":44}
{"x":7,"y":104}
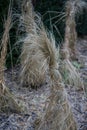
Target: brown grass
{"x":28,"y":16}
{"x":33,"y":62}
{"x":40,"y":57}
{"x":73,"y":8}
{"x":71,"y":75}
{"x":39,"y":53}
{"x":7,"y":101}
{"x":58,"y":114}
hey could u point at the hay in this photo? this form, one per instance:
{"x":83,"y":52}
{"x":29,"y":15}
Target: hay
{"x":7,"y":101}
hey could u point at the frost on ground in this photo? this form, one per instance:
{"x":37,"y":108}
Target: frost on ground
{"x":35,"y":101}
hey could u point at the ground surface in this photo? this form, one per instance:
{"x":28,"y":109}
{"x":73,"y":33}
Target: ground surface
{"x":35,"y":101}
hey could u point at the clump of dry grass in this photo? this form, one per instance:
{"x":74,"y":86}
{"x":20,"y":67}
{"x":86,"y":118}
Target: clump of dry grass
{"x":58,"y":114}
{"x":70,"y":74}
{"x":69,"y":49}
{"x":33,"y":62}
{"x":40,"y":57}
{"x":39,"y":53}
{"x":7,"y":101}
{"x":73,"y":8}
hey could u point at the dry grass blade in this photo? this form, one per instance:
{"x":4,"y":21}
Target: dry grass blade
{"x":7,"y":101}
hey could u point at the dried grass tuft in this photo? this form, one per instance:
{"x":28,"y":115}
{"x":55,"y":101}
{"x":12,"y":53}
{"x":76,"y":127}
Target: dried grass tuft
{"x":33,"y":62}
{"x":7,"y":101}
{"x":58,"y":115}
{"x":70,"y":75}
{"x":39,"y":53}
{"x":39,"y":57}
{"x":69,"y":72}
{"x":73,"y":8}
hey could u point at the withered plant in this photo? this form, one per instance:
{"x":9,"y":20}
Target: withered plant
{"x":7,"y":101}
{"x":73,"y":8}
{"x":40,"y":57}
{"x":28,"y":16}
{"x":39,"y":53}
{"x":58,"y":115}
{"x":33,"y":63}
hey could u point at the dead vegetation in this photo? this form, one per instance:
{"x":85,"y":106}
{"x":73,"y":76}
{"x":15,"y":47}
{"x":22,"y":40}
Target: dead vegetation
{"x":7,"y":101}
{"x":73,"y":8}
{"x":33,"y":62}
{"x":58,"y":115}
{"x":39,"y":53}
{"x":39,"y":59}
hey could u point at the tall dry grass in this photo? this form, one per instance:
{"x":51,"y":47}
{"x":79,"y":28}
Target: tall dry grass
{"x":73,"y":8}
{"x":7,"y":101}
{"x":39,"y":58}
{"x":39,"y":53}
{"x":28,"y":16}
{"x":58,"y":114}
